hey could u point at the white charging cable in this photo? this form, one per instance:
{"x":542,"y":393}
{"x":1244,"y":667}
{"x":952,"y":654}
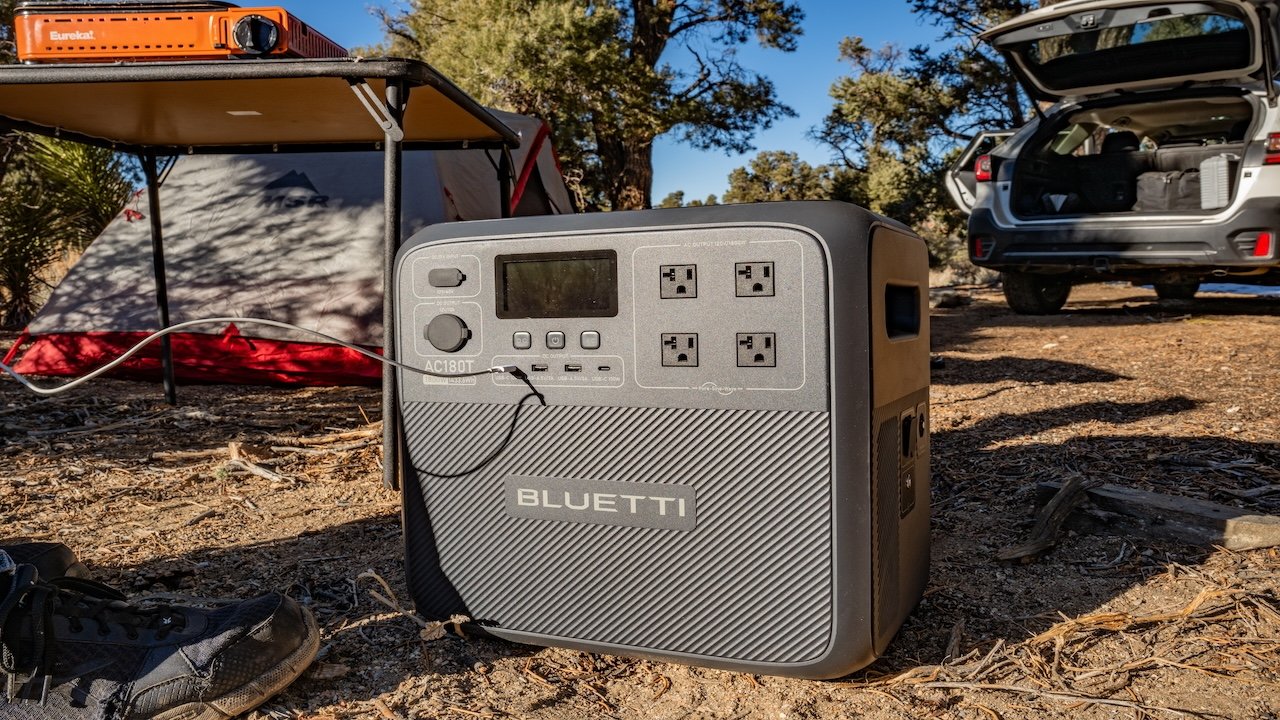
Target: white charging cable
{"x":497,"y":369}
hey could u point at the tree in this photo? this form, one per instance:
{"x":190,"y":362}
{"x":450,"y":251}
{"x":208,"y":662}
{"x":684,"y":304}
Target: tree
{"x":673,"y":200}
{"x":676,"y":199}
{"x":777,"y":175}
{"x":55,"y":197}
{"x":603,"y":75}
{"x":900,"y":116}
{"x":8,"y":45}
{"x":32,"y":240}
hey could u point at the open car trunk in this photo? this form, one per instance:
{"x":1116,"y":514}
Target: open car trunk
{"x":1094,"y":47}
{"x":1180,"y":153}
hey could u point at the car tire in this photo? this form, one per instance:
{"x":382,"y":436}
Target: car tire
{"x":1032,"y":294}
{"x":1177,"y":290}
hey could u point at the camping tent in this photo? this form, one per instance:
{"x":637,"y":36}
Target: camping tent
{"x":290,"y":237}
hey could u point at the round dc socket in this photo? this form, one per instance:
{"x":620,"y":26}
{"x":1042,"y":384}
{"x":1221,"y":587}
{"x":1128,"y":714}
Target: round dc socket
{"x":447,"y":333}
{"x":256,"y":34}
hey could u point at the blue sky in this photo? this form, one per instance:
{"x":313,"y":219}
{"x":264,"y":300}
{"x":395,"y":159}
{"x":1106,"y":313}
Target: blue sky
{"x":803,"y":78}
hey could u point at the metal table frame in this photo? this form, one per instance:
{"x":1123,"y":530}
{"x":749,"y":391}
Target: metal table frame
{"x":401,"y":77}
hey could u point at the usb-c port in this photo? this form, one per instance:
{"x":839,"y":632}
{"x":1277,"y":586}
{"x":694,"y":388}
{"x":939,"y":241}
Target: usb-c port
{"x":573,"y":367}
{"x":539,"y":368}
{"x":604,"y":368}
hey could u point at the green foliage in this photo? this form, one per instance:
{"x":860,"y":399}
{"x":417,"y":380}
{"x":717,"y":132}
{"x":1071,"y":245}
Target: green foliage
{"x":33,"y":234}
{"x":8,"y":46}
{"x":89,"y":184}
{"x":899,"y":115}
{"x":55,"y":198}
{"x":600,"y":73}
{"x":676,"y":199}
{"x":776,"y":175}
{"x":673,"y":200}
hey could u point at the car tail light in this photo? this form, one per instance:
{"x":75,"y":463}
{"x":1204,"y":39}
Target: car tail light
{"x":1273,"y":150}
{"x":1262,"y":248}
{"x":1255,"y":244}
{"x":980,"y":247}
{"x":982,"y":167}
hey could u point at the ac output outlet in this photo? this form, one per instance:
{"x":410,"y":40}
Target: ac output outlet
{"x":678,"y":281}
{"x":757,"y":350}
{"x":679,"y":350}
{"x":754,"y":279}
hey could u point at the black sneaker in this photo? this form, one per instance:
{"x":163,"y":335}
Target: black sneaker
{"x":51,"y":559}
{"x":73,"y":649}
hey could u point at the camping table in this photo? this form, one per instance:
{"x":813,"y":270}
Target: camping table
{"x":164,"y":109}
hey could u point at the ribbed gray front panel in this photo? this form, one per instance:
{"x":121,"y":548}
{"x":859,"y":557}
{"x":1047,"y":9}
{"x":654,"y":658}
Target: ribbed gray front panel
{"x":753,"y":581}
{"x":885,"y":532}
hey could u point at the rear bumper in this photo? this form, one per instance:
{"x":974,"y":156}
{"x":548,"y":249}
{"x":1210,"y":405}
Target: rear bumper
{"x":1107,"y":248}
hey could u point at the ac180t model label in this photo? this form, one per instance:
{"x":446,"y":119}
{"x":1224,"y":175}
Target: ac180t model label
{"x":603,"y":502}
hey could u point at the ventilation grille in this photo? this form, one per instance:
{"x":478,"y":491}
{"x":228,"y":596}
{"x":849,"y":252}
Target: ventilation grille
{"x":885,"y":553}
{"x":752,"y":582}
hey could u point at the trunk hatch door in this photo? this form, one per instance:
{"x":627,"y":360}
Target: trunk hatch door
{"x":1083,"y":48}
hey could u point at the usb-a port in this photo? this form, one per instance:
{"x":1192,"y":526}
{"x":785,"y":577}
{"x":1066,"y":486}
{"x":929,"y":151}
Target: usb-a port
{"x":573,"y":367}
{"x":538,"y":367}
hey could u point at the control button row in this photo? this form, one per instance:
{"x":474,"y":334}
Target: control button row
{"x":523,"y":340}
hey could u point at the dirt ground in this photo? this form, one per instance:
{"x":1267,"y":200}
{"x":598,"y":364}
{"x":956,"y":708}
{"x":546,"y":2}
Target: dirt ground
{"x":1178,"y":399}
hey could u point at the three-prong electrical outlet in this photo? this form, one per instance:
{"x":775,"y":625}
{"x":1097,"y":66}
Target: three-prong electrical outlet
{"x":757,"y":350}
{"x":679,"y":350}
{"x":754,"y":279}
{"x":678,"y":281}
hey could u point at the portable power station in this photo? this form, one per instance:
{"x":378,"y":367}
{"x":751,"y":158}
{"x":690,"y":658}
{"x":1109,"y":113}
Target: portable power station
{"x":52,"y":31}
{"x":732,"y":465}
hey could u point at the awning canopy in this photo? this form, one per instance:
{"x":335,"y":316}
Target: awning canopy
{"x":244,"y":106}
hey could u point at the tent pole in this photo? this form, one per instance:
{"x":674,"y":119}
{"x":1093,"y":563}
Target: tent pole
{"x":157,"y":261}
{"x":504,"y":181}
{"x":392,"y":189}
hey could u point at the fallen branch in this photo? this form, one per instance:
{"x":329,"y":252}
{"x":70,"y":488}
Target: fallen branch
{"x":1058,"y":696}
{"x":375,"y":429}
{"x":431,"y":630}
{"x":1050,"y":519}
{"x":180,"y":455}
{"x":93,"y":430}
{"x":1182,"y":519}
{"x":240,"y":460}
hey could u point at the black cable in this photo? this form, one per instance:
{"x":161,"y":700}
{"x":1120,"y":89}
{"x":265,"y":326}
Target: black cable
{"x":242,"y":320}
{"x":511,"y":431}
{"x":520,"y":375}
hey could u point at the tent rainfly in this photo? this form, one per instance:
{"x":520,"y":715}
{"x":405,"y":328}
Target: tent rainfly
{"x":295,"y":237}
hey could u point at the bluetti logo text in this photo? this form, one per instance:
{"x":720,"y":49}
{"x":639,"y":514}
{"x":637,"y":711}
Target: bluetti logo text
{"x":602,"y":502}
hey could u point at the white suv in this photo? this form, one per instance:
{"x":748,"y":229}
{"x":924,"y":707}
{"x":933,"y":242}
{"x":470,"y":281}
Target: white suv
{"x":1154,"y":156}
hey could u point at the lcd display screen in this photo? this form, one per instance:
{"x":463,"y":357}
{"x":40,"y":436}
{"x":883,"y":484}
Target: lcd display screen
{"x":557,"y":285}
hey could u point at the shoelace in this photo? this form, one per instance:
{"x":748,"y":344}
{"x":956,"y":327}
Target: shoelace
{"x":72,"y":598}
